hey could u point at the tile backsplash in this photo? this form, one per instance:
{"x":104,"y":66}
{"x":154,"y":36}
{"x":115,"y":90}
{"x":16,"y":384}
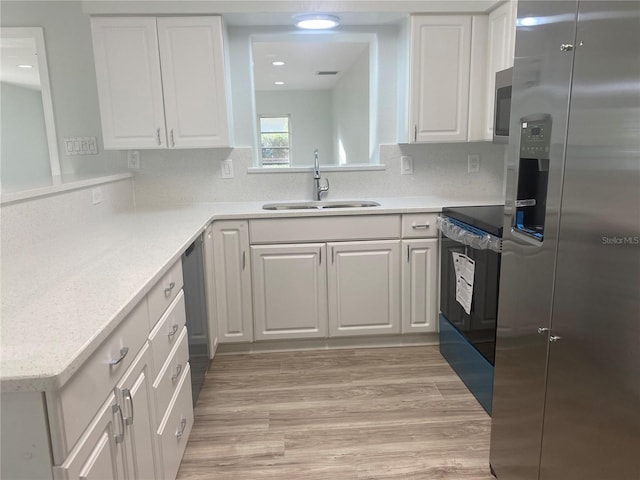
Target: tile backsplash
{"x":187,"y":176}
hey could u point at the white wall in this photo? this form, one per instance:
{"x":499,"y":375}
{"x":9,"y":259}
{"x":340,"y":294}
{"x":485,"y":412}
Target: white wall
{"x":24,"y":153}
{"x":310,"y":126}
{"x":67,"y":36}
{"x":350,"y":105}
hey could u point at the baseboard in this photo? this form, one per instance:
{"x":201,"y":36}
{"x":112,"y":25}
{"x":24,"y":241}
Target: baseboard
{"x":415,"y":339}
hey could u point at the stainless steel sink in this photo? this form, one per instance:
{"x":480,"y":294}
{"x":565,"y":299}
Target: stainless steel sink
{"x":320,"y":205}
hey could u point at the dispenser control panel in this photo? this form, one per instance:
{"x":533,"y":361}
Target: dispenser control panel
{"x":533,"y":176}
{"x":535,"y":137}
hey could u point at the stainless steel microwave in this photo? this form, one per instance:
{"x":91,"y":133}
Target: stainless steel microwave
{"x":502,"y":106}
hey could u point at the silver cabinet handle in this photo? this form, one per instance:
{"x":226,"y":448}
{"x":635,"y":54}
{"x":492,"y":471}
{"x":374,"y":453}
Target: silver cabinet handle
{"x":123,"y":353}
{"x":117,"y":410}
{"x":320,"y":258}
{"x":175,"y":377}
{"x":174,"y":329}
{"x":332,"y":255}
{"x":173,"y":141}
{"x":566,"y":47}
{"x":158,"y":135}
{"x":554,"y":338}
{"x":415,"y":133}
{"x":542,"y":330}
{"x":408,"y":254}
{"x":183,"y":425}
{"x":167,"y":291}
{"x":244,"y":260}
{"x":126,"y":394}
{"x":417,"y":226}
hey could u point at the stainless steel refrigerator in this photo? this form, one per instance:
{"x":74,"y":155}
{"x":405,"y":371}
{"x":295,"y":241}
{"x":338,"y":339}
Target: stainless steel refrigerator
{"x":566,"y":401}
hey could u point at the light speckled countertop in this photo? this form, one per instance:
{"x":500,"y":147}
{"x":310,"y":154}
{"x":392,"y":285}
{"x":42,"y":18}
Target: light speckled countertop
{"x":60,"y":301}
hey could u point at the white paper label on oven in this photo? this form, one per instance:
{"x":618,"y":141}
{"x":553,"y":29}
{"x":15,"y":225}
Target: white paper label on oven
{"x":465,"y":270}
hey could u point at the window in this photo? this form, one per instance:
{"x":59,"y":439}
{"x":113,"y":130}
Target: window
{"x":275,"y":140}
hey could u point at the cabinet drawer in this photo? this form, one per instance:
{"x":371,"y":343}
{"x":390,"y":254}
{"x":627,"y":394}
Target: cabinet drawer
{"x":324,"y":229}
{"x":176,"y":426}
{"x":165,"y":334}
{"x":81,"y":397}
{"x":168,"y":379}
{"x":163,"y":292}
{"x":419,"y":225}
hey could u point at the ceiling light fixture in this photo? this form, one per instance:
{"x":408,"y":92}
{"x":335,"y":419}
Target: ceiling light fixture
{"x":317,"y":21}
{"x":25,"y":66}
{"x":277,"y":63}
{"x":278,"y":83}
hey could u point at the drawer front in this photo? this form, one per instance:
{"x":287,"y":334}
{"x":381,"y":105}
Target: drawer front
{"x":324,"y":229}
{"x":164,"y":292}
{"x":175,"y":427}
{"x":81,"y":397}
{"x":166,"y":332}
{"x":166,"y":384}
{"x":419,"y":225}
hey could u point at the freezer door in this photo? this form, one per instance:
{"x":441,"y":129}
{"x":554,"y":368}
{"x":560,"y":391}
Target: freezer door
{"x":541,"y":85}
{"x":592,"y":412}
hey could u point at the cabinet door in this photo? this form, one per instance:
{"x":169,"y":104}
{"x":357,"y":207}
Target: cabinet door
{"x":232,"y":281}
{"x":419,"y":285}
{"x":289,"y":291}
{"x":364,"y":287}
{"x":500,"y":52}
{"x":209,"y":288}
{"x":129,"y":87}
{"x":440,"y":65}
{"x":135,"y":397}
{"x":98,"y":454}
{"x":193,"y":81}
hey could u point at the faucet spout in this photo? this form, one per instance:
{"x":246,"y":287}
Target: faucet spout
{"x":318,"y":190}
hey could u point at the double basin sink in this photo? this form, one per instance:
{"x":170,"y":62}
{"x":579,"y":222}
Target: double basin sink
{"x":320,"y":205}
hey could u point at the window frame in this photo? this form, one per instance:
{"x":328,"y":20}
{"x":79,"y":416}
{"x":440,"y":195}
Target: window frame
{"x":260,"y":133}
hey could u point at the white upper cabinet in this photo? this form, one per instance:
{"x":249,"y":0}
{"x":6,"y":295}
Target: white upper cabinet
{"x":161,"y":82}
{"x":500,"y":52}
{"x":193,"y":79}
{"x":440,"y":59}
{"x":129,"y":86}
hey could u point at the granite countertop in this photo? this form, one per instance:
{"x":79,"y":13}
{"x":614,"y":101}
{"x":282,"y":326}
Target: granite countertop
{"x":61,"y":300}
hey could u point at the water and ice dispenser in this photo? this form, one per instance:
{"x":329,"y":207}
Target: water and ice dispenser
{"x":533,"y":176}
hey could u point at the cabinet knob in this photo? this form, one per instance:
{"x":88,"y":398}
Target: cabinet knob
{"x":566,"y":47}
{"x":554,"y":338}
{"x":542,"y":330}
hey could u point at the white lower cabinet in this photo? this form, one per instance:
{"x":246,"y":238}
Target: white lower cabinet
{"x":135,"y":397}
{"x":232,"y":281}
{"x":99,"y":453}
{"x":364,"y":287}
{"x":175,"y":427}
{"x":419,"y":285}
{"x":289,"y":291}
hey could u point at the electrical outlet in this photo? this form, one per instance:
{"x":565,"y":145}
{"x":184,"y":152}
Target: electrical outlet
{"x":473,"y":163}
{"x":96,"y":195}
{"x":406,"y":165}
{"x":133,"y":159}
{"x":226,"y":168}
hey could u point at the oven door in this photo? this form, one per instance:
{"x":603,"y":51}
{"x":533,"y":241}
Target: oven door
{"x":478,"y":327}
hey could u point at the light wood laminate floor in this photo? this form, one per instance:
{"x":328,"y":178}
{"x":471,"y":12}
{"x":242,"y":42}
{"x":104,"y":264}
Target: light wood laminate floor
{"x":398,"y":413}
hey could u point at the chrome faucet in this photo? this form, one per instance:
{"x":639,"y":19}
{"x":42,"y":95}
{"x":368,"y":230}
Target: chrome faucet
{"x":318,"y":191}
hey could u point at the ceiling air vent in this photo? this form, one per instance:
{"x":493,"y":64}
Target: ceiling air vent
{"x":327,"y":72}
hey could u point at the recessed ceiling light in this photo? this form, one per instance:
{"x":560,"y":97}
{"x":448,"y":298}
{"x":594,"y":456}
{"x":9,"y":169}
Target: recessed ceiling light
{"x":25,"y":66}
{"x":278,"y":83}
{"x":277,"y":63}
{"x":317,"y":21}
